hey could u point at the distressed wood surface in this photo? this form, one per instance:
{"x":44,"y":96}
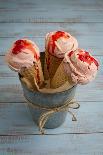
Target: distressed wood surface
{"x":87,"y":34}
{"x":33,"y":19}
{"x":17,"y":120}
{"x":51,"y":11}
{"x":73,"y":144}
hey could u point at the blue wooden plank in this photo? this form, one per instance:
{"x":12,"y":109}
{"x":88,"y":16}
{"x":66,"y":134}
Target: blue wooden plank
{"x":16,"y":119}
{"x":39,"y":11}
{"x":87,"y":34}
{"x":40,"y":5}
{"x":39,"y":30}
{"x":52,"y":145}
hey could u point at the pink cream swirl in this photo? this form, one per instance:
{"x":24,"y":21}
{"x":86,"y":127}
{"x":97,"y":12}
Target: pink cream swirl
{"x":23,"y":53}
{"x":59,"y":42}
{"x":81,"y":66}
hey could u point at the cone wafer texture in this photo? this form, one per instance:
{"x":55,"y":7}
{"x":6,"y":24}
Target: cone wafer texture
{"x":28,"y":77}
{"x":61,"y":78}
{"x":51,"y":65}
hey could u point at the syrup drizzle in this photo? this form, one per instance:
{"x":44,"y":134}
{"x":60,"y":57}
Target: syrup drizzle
{"x":52,"y":44}
{"x":48,"y":62}
{"x":70,"y":53}
{"x":24,"y":44}
{"x":54,"y":38}
{"x":85,"y":57}
{"x":37,"y":74}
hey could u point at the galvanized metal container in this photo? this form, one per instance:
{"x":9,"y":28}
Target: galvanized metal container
{"x":48,"y":100}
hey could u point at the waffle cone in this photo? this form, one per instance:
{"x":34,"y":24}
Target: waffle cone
{"x":31,"y":73}
{"x":50,"y":69}
{"x":61,"y":78}
{"x":46,"y":71}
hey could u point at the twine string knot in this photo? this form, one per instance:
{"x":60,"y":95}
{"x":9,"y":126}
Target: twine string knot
{"x":69,"y":104}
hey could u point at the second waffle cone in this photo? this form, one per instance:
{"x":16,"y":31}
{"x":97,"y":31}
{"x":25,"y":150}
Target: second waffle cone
{"x":51,"y":65}
{"x":31,"y":73}
{"x":60,"y":78}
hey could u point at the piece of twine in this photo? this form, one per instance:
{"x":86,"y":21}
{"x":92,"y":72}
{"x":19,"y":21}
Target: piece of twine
{"x":50,"y":111}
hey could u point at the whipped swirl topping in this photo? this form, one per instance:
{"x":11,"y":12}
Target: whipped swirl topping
{"x":81,"y":66}
{"x":23,"y":53}
{"x":59,"y":42}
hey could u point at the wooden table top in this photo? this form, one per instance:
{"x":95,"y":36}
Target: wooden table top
{"x":33,"y":19}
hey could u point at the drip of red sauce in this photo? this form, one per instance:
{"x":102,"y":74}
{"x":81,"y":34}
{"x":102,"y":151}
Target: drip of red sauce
{"x":70,"y":53}
{"x":24,"y":44}
{"x":48,"y":62}
{"x":55,"y":37}
{"x":52,"y":45}
{"x":85,"y":57}
{"x":37,"y":75}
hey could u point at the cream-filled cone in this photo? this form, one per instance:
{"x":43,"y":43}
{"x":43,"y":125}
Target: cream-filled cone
{"x":77,"y":67}
{"x":57,"y":43}
{"x":24,"y":58}
{"x":34,"y":72}
{"x":60,"y":78}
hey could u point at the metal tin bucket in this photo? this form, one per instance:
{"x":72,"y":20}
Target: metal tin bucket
{"x":48,"y":100}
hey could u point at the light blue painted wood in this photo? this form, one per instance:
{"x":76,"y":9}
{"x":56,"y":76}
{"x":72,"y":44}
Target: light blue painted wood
{"x":16,"y":119}
{"x":40,"y":5}
{"x":81,"y":19}
{"x":52,"y":145}
{"x":87,"y":34}
{"x":39,"y":30}
{"x":51,"y":11}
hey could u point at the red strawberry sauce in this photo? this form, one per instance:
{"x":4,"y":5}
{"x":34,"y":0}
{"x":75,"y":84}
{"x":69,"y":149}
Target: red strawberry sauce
{"x":24,"y":44}
{"x":51,"y":43}
{"x":70,"y":53}
{"x":37,"y":75}
{"x":48,"y":62}
{"x":85,"y":57}
{"x":55,"y":37}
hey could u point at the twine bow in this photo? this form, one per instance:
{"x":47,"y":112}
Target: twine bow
{"x":50,"y":111}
